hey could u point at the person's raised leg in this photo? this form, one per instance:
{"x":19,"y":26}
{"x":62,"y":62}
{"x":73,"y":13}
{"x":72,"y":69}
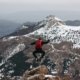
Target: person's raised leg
{"x":43,"y":54}
{"x":34,"y":54}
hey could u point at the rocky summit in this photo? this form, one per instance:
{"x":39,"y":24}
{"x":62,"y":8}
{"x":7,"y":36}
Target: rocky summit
{"x":39,"y":73}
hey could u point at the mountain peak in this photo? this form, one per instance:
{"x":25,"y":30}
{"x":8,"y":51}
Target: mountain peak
{"x":50,"y":21}
{"x":53,"y":17}
{"x":50,"y":16}
{"x":54,"y":20}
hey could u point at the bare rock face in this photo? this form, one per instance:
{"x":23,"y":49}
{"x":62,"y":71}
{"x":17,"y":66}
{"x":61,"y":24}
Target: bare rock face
{"x":38,"y":73}
{"x":54,"y":78}
{"x":36,"y":77}
{"x":6,"y":78}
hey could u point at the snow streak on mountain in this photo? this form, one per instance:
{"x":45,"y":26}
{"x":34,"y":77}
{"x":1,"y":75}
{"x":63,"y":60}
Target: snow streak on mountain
{"x":56,"y":30}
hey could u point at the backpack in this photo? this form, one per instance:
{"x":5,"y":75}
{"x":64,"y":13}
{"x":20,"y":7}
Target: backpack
{"x":38,"y":44}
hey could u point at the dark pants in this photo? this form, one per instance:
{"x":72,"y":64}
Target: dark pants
{"x":39,"y":51}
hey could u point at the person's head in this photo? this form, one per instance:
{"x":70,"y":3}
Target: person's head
{"x":39,"y":38}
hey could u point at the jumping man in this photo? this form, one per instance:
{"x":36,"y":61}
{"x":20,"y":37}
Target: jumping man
{"x":38,"y":48}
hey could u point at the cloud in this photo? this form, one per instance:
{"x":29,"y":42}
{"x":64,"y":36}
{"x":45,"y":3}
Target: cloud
{"x":42,"y":1}
{"x":32,"y":5}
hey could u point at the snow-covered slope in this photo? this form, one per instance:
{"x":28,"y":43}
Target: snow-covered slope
{"x":56,"y":30}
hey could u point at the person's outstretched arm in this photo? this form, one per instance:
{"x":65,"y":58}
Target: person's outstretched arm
{"x":32,"y":43}
{"x":45,"y":42}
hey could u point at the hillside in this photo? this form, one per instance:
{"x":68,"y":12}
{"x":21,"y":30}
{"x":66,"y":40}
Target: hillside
{"x":26,"y":28}
{"x":62,"y":53}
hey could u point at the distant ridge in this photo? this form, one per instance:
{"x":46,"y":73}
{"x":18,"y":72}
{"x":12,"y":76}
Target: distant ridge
{"x":7,"y":27}
{"x":73,"y":23}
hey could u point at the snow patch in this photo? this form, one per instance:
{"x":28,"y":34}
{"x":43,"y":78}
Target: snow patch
{"x":9,"y":38}
{"x":54,"y":72}
{"x":11,"y":71}
{"x":76,"y":45}
{"x":57,"y":19}
{"x":24,"y":27}
{"x":49,"y":76}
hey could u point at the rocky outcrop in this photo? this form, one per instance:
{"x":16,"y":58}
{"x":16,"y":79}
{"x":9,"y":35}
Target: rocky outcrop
{"x":39,"y":73}
{"x":6,"y":78}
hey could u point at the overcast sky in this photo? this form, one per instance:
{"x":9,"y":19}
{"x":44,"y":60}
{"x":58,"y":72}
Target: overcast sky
{"x":12,"y":6}
{"x":9,"y":6}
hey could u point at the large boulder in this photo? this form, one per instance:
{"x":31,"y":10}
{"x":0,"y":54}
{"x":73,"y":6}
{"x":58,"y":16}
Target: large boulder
{"x":38,"y":70}
{"x":38,"y":73}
